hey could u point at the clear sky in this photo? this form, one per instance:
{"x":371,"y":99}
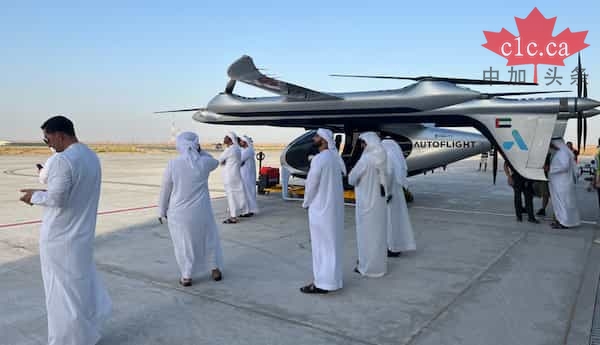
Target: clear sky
{"x":110,"y":64}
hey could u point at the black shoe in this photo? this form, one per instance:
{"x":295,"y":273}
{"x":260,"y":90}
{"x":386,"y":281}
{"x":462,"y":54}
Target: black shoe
{"x":247,"y":215}
{"x":541,"y":212}
{"x":519,"y":219}
{"x":392,"y":254}
{"x":533,"y":220}
{"x":216,"y":275}
{"x":312,"y":289}
{"x":557,"y":225}
{"x":357,"y":271}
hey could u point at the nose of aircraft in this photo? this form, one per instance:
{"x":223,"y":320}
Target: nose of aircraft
{"x":205,"y":116}
{"x":587,"y":104}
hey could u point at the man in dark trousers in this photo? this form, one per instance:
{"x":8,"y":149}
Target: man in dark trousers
{"x":524,"y":186}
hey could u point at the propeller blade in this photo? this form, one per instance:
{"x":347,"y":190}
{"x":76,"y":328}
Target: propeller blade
{"x":579,"y":113}
{"x":179,"y":110}
{"x":585,"y":94}
{"x":494,"y":163}
{"x":499,"y":94}
{"x":584,"y":133}
{"x":432,"y":78}
{"x":579,"y":125}
{"x":579,"y":75}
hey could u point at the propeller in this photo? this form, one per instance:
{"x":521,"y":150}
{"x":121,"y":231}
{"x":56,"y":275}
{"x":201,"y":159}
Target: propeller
{"x":494,"y":163}
{"x":432,"y":78}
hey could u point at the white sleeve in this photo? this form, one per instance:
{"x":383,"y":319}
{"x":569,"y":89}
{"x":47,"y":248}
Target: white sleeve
{"x":165,"y":191}
{"x":59,"y":186}
{"x":313,"y":180}
{"x":212,"y":164}
{"x":246,"y":155}
{"x":43,"y":178}
{"x":357,"y":172}
{"x":223,"y":157}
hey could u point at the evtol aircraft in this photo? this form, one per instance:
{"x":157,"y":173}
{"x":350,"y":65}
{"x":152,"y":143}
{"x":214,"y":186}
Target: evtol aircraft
{"x":519,"y":129}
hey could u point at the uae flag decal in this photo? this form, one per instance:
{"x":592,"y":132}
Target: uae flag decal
{"x":503,"y":122}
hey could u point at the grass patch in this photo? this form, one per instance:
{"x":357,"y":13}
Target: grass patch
{"x":17,"y":149}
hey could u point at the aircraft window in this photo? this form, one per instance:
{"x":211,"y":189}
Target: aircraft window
{"x":404,"y":142}
{"x":300,"y":150}
{"x":339,"y":139}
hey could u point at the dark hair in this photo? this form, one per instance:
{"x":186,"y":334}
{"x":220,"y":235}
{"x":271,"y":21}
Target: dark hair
{"x":59,"y":124}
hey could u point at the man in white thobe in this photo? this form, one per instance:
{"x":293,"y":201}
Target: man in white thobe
{"x":369,"y":179}
{"x":77,"y":302}
{"x":561,"y":181}
{"x":400,"y":237}
{"x":231,"y":160}
{"x":324,"y":198}
{"x":185,"y":202}
{"x":248,"y":171}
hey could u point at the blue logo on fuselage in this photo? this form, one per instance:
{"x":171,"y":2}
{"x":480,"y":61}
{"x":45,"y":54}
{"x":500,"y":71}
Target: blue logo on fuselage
{"x":507,"y":145}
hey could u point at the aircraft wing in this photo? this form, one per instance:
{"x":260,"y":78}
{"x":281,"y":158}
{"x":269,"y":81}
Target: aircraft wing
{"x":245,"y":71}
{"x":524,"y":140}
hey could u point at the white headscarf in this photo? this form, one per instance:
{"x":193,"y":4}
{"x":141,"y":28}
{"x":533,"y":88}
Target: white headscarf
{"x":233,"y":137}
{"x":565,"y":156}
{"x":327,"y":135}
{"x":397,"y":159}
{"x":376,"y":153}
{"x":560,"y":144}
{"x":248,"y":141}
{"x":187,"y":144}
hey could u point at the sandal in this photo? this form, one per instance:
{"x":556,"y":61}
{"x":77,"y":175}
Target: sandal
{"x":312,"y":289}
{"x":557,"y":225}
{"x":216,"y":275}
{"x":185,"y":282}
{"x":230,"y":221}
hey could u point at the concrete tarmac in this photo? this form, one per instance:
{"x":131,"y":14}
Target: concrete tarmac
{"x":477,"y":277}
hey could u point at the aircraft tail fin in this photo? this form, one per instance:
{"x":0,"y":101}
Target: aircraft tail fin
{"x":523,"y":140}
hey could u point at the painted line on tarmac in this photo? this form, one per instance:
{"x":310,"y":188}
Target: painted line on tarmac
{"x":121,"y":210}
{"x":482,"y":212}
{"x":15,"y":172}
{"x":102,"y":213}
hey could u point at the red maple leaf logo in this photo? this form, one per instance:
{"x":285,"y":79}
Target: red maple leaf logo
{"x":535,"y":45}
